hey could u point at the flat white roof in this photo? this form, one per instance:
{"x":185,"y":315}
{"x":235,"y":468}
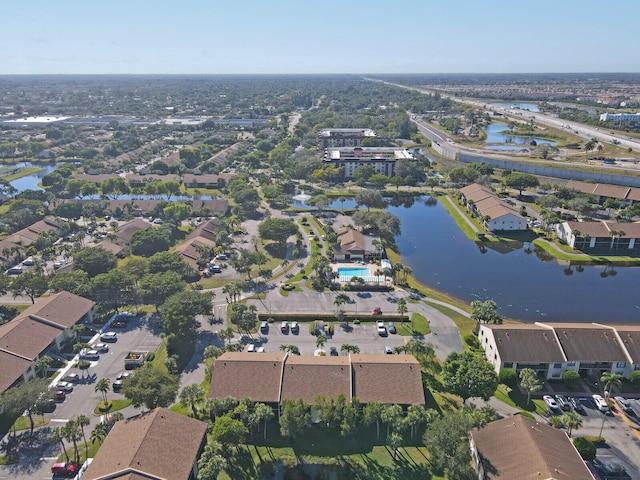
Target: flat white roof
{"x":51,"y":119}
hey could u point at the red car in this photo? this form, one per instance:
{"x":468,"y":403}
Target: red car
{"x":377,"y":311}
{"x":66,"y":469}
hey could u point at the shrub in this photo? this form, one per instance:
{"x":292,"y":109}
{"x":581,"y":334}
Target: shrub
{"x":586,"y":449}
{"x":508,"y":377}
{"x":151,"y":356}
{"x":571,"y":378}
{"x":471,"y":340}
{"x":635,"y":378}
{"x":597,"y":441}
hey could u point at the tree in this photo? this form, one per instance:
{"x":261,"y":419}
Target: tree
{"x":571,"y":378}
{"x":31,"y":284}
{"x":262,"y":413}
{"x":446,"y":438}
{"x":75,"y":281}
{"x":56,"y":436}
{"x":521,"y":181}
{"x":115,"y":187}
{"x":277,"y":229}
{"x":229,"y":431}
{"x":530,"y":382}
{"x":20,"y":399}
{"x":401,"y":307}
{"x":391,"y":416}
{"x":149,"y":242}
{"x":180,"y":310}
{"x":485,"y":312}
{"x":99,"y":432}
{"x":151,"y":388}
{"x":192,"y":395}
{"x":585,"y":448}
{"x":94,"y":261}
{"x":83,"y":421}
{"x":71,"y":432}
{"x":610,"y":380}
{"x":395,"y":442}
{"x":43,"y":364}
{"x":370,"y":199}
{"x":468,"y":374}
{"x":572,"y":420}
{"x":103,"y":386}
{"x":345,"y":347}
{"x":371,"y":414}
{"x":155,"y":288}
{"x":114,"y":287}
{"x":211,"y":462}
{"x":321,"y":340}
{"x":295,"y":418}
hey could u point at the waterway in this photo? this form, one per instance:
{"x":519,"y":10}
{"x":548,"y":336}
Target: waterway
{"x":532,"y":107}
{"x":527,"y":283}
{"x":496,"y":134}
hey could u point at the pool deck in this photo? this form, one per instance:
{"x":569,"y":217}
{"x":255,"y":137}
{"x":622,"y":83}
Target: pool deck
{"x":371,"y":278}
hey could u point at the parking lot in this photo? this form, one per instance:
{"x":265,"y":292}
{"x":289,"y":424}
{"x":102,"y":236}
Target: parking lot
{"x":139,"y":335}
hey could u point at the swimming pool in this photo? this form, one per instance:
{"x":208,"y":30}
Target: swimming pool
{"x":353,"y":272}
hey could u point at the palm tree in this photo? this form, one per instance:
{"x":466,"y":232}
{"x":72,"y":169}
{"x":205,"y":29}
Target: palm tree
{"x":263,"y":413}
{"x":346,"y":347}
{"x":321,"y":340}
{"x":83,"y":421}
{"x":71,"y":433}
{"x":402,"y":307}
{"x":572,"y":420}
{"x":610,"y":380}
{"x":43,"y":364}
{"x":191,"y":395}
{"x":98,"y":433}
{"x":103,"y":386}
{"x":57,"y":435}
{"x":589,"y":146}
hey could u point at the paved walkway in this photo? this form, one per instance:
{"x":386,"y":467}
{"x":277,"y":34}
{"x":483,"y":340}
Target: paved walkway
{"x":462,"y":214}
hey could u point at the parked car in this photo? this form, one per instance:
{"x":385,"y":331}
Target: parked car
{"x":251,"y":348}
{"x":377,"y":311}
{"x":101,"y":347}
{"x":264,"y":326}
{"x":295,"y":327}
{"x":123,"y":375}
{"x":623,"y":404}
{"x":576,"y":403}
{"x":550,"y":402}
{"x":119,"y":324}
{"x":382,"y":330}
{"x":600,"y":402}
{"x":109,"y":337}
{"x":284,"y":327}
{"x":71,"y":377}
{"x":65,"y":469}
{"x":60,"y":395}
{"x":64,"y":386}
{"x":261,"y":350}
{"x":563,"y":402}
{"x":392,"y":328}
{"x":89,"y":354}
{"x":333,"y":351}
{"x":117,"y":386}
{"x":610,"y":470}
{"x":388,"y":350}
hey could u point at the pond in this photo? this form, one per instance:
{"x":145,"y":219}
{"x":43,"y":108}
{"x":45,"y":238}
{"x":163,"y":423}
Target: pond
{"x":496,"y":134}
{"x":527,"y":283}
{"x":532,"y":107}
{"x":30,"y":182}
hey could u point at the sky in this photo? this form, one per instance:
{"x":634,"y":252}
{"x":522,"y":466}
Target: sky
{"x":302,"y":36}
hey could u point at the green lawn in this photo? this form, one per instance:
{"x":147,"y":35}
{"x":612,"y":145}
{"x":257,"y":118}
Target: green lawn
{"x":23,"y":423}
{"x":419,"y":325}
{"x":116,"y":405}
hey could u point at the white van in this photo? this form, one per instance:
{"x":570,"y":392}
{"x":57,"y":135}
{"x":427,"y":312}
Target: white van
{"x":600,"y":402}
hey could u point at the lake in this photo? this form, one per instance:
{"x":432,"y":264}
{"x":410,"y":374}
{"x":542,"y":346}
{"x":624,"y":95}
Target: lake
{"x":527,"y":286}
{"x":532,"y":107}
{"x":495,"y":135}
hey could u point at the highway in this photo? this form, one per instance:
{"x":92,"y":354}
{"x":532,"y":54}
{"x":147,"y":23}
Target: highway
{"x":584,"y":131}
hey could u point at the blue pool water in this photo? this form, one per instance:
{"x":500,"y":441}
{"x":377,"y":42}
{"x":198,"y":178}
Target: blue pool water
{"x":353,"y":272}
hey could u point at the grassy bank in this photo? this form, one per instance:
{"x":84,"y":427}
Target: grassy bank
{"x":22,"y":173}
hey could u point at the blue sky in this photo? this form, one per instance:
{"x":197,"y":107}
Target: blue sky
{"x":331,"y":36}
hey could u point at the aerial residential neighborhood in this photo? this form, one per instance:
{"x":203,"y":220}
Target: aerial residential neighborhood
{"x":293,"y":274}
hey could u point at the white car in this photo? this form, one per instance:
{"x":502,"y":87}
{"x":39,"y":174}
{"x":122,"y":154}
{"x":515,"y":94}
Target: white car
{"x":550,"y":402}
{"x":382,"y":330}
{"x":64,"y":386}
{"x":89,"y":354}
{"x":252,"y":347}
{"x":109,"y":337}
{"x":101,"y":347}
{"x":600,"y":402}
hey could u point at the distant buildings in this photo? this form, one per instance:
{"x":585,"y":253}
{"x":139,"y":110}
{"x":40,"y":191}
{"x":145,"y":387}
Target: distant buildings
{"x":343,"y":137}
{"x":602,"y":192}
{"x":382,"y":159}
{"x":495,"y":214}
{"x":620,"y":117}
{"x":600,"y":235}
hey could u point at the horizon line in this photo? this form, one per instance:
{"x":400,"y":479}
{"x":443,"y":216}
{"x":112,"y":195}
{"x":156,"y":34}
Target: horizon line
{"x":327,"y":73}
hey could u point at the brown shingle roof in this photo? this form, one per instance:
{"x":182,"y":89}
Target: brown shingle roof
{"x":306,"y":378}
{"x":159,"y":443}
{"x":27,"y":337}
{"x":630,"y":336}
{"x":13,"y":367}
{"x":127,"y":230}
{"x":63,"y":308}
{"x":589,"y":343}
{"x":526,"y":343}
{"x":248,"y":375}
{"x":519,"y":448}
{"x":390,"y":379}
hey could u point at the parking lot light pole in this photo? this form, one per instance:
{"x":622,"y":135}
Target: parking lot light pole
{"x":603,"y":420}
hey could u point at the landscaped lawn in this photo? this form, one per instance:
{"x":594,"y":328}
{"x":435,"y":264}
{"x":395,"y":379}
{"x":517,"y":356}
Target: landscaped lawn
{"x":116,"y":405}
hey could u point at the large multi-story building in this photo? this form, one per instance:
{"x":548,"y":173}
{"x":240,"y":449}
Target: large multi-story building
{"x":620,"y":117}
{"x":343,"y":137}
{"x":382,"y":159}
